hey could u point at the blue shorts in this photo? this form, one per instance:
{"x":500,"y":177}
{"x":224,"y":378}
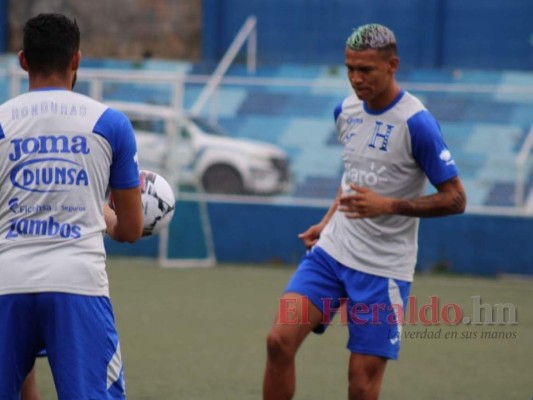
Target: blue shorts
{"x":80,"y":338}
{"x":374,"y":304}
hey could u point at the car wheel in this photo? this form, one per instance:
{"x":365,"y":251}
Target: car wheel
{"x":222,"y":179}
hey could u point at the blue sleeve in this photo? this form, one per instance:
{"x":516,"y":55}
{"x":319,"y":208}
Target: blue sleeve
{"x":337,"y":111}
{"x":429,"y":149}
{"x":116,"y":128}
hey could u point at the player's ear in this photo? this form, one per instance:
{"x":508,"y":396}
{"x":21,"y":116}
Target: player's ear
{"x":394,"y":63}
{"x":76,"y":59}
{"x":22,"y":60}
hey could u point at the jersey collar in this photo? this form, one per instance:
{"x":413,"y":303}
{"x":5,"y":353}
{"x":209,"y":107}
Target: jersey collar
{"x":383,"y":110}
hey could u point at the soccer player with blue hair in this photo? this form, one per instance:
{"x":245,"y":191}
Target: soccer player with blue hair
{"x":363,"y":253}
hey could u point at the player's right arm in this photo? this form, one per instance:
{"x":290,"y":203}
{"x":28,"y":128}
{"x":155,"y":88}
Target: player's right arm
{"x":312,"y":234}
{"x":125,"y":222}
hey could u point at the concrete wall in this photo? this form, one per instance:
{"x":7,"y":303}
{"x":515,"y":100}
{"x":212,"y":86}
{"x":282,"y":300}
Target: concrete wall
{"x":481,"y":34}
{"x":129,"y":29}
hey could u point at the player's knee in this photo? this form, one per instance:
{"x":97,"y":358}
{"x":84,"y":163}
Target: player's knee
{"x":362,"y":389}
{"x":279,"y":346}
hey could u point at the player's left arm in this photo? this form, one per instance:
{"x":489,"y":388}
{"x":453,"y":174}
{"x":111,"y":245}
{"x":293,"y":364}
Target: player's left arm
{"x":449,"y":199}
{"x":124,"y":222}
{"x":365,"y":203}
{"x":434,"y":158}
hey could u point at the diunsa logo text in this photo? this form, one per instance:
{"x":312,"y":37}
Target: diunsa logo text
{"x":48,"y":170}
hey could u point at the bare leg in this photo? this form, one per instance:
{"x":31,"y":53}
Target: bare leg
{"x":365,"y":375}
{"x":295,"y":319}
{"x":30,"y":391}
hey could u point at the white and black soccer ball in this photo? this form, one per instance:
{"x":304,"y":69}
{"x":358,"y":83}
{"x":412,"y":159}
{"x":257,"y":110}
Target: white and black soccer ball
{"x":158,"y":202}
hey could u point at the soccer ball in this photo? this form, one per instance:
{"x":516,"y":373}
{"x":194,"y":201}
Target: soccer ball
{"x":158,"y":202}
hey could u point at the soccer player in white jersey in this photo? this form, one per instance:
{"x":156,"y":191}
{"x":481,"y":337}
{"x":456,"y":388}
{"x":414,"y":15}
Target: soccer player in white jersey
{"x":59,"y":153}
{"x":363,"y":252}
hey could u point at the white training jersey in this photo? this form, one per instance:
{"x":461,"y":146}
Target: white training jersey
{"x":59,"y":152}
{"x":392,"y":152}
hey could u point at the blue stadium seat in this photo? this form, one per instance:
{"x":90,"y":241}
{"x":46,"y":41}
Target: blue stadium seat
{"x":484,"y":130}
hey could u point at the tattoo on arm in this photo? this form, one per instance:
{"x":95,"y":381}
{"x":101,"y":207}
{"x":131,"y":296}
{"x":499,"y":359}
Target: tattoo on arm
{"x":450,"y":199}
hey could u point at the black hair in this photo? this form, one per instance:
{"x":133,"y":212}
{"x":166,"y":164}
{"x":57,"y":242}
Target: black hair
{"x":50,"y":42}
{"x":389,"y":51}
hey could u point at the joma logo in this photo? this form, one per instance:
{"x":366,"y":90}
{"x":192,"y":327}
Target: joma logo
{"x":48,"y":145}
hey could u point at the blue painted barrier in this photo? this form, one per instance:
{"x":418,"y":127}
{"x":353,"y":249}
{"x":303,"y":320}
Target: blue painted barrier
{"x":267,"y":233}
{"x":4,"y":11}
{"x":431,"y":33}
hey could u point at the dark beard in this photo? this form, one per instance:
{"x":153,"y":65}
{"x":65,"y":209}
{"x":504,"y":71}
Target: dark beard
{"x":74,"y":78}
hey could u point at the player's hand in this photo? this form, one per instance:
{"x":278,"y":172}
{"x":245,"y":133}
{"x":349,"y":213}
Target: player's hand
{"x":364,"y":203}
{"x":311,"y":235}
{"x":110,"y":218}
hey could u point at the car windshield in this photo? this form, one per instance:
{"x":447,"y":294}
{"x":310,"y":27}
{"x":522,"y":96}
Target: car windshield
{"x":150,"y":125}
{"x":208,"y":127}
{"x":158,"y":125}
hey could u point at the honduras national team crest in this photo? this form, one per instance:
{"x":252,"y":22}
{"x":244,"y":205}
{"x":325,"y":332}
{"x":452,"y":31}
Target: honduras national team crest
{"x":381,"y":134}
{"x":48,"y":170}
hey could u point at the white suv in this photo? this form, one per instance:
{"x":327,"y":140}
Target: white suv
{"x":206,"y":155}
